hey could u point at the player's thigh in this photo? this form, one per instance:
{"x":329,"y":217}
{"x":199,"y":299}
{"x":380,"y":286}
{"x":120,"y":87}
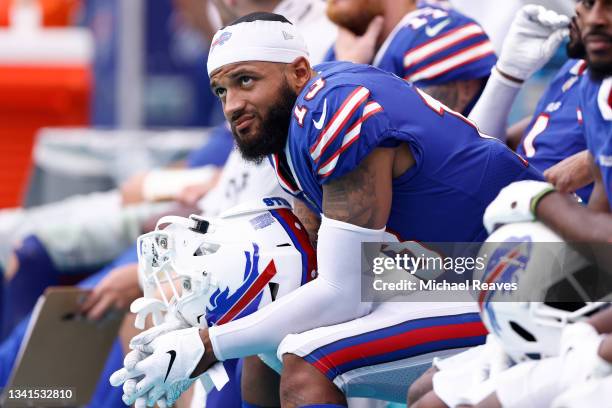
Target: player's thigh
{"x":381,"y":354}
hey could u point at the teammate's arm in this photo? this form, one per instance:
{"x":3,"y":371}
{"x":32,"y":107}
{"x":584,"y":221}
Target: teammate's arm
{"x":574,"y":222}
{"x":456,"y":94}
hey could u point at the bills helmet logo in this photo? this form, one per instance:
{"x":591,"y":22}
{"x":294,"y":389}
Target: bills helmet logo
{"x":223,"y":38}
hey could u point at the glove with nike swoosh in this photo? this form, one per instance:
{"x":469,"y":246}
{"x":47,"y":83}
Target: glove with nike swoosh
{"x":166,"y":373}
{"x":533,"y":38}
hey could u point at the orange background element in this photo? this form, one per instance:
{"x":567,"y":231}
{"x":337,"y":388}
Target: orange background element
{"x":30,"y":98}
{"x":33,"y":97}
{"x":56,"y":13}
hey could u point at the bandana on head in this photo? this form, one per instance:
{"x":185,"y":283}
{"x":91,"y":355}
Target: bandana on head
{"x":260,"y":40}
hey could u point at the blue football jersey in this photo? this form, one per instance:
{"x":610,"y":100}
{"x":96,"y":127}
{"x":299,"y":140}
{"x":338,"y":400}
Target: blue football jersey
{"x":434,"y":45}
{"x":596,"y":103}
{"x":556,"y":131}
{"x":348,"y":110}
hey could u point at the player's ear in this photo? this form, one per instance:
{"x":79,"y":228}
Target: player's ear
{"x":299,"y":73}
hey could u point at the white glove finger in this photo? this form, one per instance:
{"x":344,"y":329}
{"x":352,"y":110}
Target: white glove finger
{"x":140,"y":403}
{"x":551,"y":18}
{"x":132,"y":358}
{"x":530,"y":10}
{"x":161,"y":403}
{"x":122,"y":375}
{"x":154,"y":395}
{"x":129,"y":387}
{"x":555,"y":39}
{"x":145,"y":349}
{"x":142,"y":387}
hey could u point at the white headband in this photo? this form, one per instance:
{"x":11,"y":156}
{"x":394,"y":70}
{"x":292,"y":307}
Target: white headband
{"x":259,"y":40}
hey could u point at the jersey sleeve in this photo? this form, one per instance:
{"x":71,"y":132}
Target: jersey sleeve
{"x":356,"y":125}
{"x":443,"y":46}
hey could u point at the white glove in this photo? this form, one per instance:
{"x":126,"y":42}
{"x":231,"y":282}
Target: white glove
{"x":579,"y":347}
{"x":591,"y":393}
{"x":167,"y":371}
{"x":493,"y":360}
{"x":533,"y":38}
{"x":515,"y":203}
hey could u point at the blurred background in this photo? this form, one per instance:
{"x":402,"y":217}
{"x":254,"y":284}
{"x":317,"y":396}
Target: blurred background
{"x":94,"y":74}
{"x":89,"y":90}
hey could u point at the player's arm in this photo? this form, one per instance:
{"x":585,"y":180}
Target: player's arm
{"x":363,"y":196}
{"x":456,"y":94}
{"x":575,"y":222}
{"x":356,"y":206}
{"x":309,"y":219}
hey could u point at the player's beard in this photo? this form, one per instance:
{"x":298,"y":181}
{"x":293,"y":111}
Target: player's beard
{"x":274,"y":129}
{"x":600,"y":66}
{"x":355,"y":17}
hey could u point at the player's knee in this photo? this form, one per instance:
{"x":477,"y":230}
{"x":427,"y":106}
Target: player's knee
{"x":300,"y":381}
{"x":420,"y":387}
{"x":295,"y":376}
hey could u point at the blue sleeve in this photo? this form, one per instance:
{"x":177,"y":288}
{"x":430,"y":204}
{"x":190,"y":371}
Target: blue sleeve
{"x":357,"y":125}
{"x":215,"y":151}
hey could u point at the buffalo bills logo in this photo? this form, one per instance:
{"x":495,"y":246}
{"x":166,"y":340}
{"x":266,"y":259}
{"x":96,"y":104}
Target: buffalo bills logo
{"x":507,"y":261}
{"x":223,"y":38}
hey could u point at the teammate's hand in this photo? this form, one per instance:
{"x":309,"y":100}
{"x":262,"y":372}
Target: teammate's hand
{"x":117,"y":290}
{"x":515,"y":203}
{"x":166,"y":373}
{"x":533,"y":38}
{"x":358,"y":49}
{"x":590,"y":393}
{"x":579,"y":348}
{"x":571,"y":174}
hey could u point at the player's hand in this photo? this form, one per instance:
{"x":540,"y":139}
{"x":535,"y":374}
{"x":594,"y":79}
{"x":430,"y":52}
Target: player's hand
{"x":117,"y":290}
{"x":533,"y":38}
{"x":166,"y":372}
{"x":358,"y":49}
{"x":515,"y":203}
{"x":571,"y":174}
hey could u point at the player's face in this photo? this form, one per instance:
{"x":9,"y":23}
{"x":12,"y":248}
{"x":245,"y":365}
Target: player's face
{"x":257,"y":102}
{"x":354,"y":15}
{"x":594,"y":20}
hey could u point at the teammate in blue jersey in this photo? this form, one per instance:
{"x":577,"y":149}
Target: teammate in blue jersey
{"x":521,"y":201}
{"x":365,"y":152}
{"x":555,"y":131}
{"x":438,"y":49}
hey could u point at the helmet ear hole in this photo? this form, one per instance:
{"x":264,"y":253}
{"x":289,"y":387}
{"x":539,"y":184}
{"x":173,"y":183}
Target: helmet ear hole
{"x":518,"y":329}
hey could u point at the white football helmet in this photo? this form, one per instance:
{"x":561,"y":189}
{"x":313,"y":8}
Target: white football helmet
{"x":211,"y":271}
{"x":555,"y":286}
